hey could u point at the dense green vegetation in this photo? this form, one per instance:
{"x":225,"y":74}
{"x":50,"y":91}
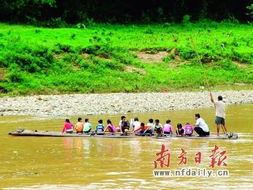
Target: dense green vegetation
{"x":60,"y":12}
{"x":105,"y":58}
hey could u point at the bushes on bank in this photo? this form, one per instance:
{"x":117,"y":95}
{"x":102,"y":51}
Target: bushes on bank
{"x":98,"y":59}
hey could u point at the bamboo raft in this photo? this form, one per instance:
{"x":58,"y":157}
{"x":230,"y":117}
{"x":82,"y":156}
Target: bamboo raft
{"x":35,"y":133}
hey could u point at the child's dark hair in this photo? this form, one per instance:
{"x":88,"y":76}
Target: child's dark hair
{"x":136,"y":119}
{"x":109,"y":121}
{"x":150,"y":120}
{"x":100,"y":121}
{"x":168,"y":121}
{"x":197,"y":115}
{"x":123,"y":117}
{"x":157,"y":121}
{"x":179,"y":125}
{"x":142,"y":124}
{"x":79,"y":119}
{"x":220,"y":98}
{"x":67,"y":120}
{"x":86,"y":120}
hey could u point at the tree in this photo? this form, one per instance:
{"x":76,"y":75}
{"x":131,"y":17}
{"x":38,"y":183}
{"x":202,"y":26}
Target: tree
{"x":122,"y":11}
{"x":250,"y":8}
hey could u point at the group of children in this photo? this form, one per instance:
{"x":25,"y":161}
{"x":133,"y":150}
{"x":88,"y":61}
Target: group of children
{"x":85,"y":127}
{"x":166,"y":129}
{"x":137,"y":127}
{"x":201,"y":128}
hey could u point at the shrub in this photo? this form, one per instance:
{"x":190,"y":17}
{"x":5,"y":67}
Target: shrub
{"x":149,"y":31}
{"x":64,"y":48}
{"x":32,"y":61}
{"x":15,"y":76}
{"x":250,"y":8}
{"x":186,"y":53}
{"x":80,"y":25}
{"x":93,"y":49}
{"x":186,"y":19}
{"x":226,"y":64}
{"x":3,"y":88}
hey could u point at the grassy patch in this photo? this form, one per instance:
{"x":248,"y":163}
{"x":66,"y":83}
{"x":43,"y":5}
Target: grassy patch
{"x":118,"y":58}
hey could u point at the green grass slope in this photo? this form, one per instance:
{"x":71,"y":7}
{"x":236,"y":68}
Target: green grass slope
{"x":118,"y":58}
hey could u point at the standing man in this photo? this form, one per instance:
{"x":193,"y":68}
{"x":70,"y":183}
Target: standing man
{"x":220,"y":113}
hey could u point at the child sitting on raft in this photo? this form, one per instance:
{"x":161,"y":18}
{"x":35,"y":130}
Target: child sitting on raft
{"x":68,"y":127}
{"x":188,"y":129}
{"x":142,"y":130}
{"x":158,"y":127}
{"x":136,"y":124}
{"x":100,"y":127}
{"x":87,"y":126}
{"x":79,"y":126}
{"x":167,"y":128}
{"x":110,"y":127}
{"x":180,"y":130}
{"x":151,"y":124}
{"x":124,"y":125}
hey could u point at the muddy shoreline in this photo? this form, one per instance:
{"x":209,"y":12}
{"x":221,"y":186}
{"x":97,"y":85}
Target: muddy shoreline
{"x":58,"y":106}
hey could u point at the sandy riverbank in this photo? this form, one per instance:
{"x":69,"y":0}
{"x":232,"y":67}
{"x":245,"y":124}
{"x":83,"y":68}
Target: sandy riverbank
{"x":85,"y":104}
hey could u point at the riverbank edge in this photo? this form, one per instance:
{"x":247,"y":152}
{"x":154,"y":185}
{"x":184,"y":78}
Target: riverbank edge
{"x":60,"y":106}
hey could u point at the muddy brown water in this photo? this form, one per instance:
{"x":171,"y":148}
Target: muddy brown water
{"x":96,"y":163}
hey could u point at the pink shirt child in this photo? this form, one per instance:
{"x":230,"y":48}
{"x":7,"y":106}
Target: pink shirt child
{"x":68,"y":127}
{"x":168,"y":128}
{"x":112,"y":127}
{"x":188,"y":129}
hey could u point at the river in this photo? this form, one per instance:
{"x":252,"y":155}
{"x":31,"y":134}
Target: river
{"x":97,"y":163}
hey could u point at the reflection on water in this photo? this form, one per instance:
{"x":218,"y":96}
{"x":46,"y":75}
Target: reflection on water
{"x":97,"y":163}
